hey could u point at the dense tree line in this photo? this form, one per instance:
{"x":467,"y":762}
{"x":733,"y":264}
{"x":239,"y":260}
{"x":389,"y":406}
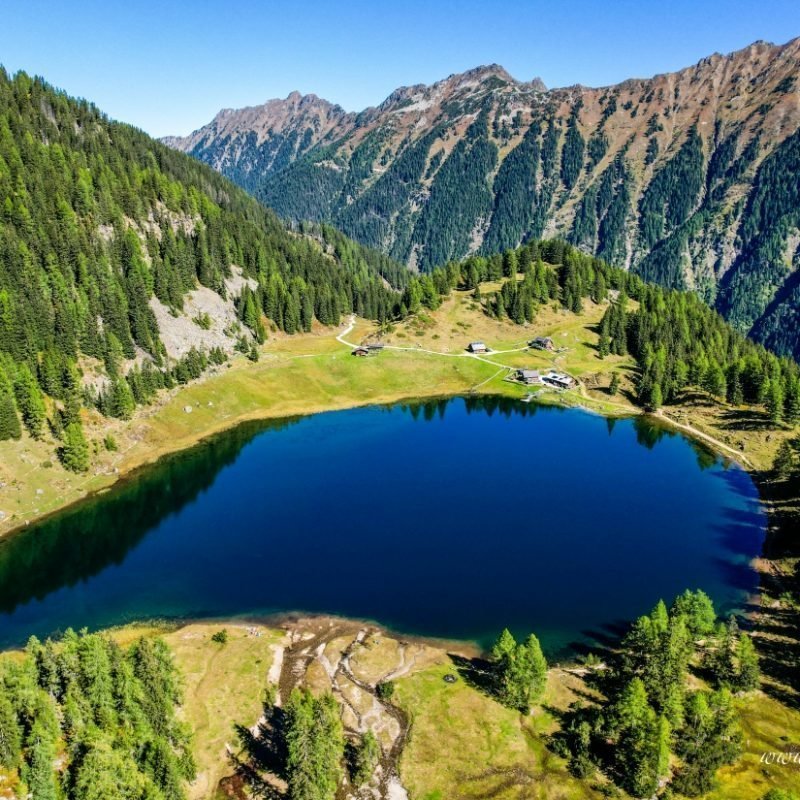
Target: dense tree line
{"x":97,"y":221}
{"x":767,"y":268}
{"x":680,"y":342}
{"x":84,"y":719}
{"x":673,"y":193}
{"x":651,"y":729}
{"x":514,"y":183}
{"x":520,"y":671}
{"x":572,"y":152}
{"x":460,"y":198}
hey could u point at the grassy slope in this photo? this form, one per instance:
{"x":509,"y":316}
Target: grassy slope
{"x":224,"y":686}
{"x":462,"y":743}
{"x":314,"y":372}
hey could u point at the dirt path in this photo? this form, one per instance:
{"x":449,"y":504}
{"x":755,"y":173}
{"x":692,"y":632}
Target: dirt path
{"x":475,"y":356}
{"x":698,"y":434}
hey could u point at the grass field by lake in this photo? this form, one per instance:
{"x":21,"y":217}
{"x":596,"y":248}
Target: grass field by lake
{"x":314,"y":372}
{"x":461,"y":742}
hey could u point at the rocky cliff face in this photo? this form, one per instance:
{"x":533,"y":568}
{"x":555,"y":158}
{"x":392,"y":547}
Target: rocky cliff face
{"x":691,"y":178}
{"x":249,"y":144}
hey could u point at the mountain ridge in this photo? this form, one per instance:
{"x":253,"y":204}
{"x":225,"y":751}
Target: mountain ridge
{"x":661,"y":175}
{"x":174,"y":139}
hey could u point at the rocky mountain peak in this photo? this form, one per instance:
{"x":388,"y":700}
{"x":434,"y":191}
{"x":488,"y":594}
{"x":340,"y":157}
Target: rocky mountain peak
{"x":662,"y":175}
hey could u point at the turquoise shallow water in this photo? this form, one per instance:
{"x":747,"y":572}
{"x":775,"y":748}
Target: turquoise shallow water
{"x":451,"y":519}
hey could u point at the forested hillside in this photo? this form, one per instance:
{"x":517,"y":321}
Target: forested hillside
{"x":84,"y":719}
{"x":126,"y":267}
{"x":678,"y":342}
{"x":688,"y":179}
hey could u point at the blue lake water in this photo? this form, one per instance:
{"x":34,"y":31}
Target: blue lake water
{"x":450,"y":519}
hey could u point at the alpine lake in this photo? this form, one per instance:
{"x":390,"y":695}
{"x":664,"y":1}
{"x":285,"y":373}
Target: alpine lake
{"x":451,"y":519}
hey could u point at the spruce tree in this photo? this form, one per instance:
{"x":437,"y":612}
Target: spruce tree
{"x":748,"y":673}
{"x":30,"y":401}
{"x":521,"y":671}
{"x":39,"y":774}
{"x":366,"y":758}
{"x":785,"y":459}
{"x":775,"y":401}
{"x":122,"y":404}
{"x":10,"y":734}
{"x":315,"y":745}
{"x":9,"y":421}
{"x":74,"y":452}
{"x":698,"y":609}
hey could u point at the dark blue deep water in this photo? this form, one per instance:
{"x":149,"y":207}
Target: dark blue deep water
{"x":451,"y":519}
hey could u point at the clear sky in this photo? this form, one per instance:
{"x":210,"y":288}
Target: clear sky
{"x":168,"y":67}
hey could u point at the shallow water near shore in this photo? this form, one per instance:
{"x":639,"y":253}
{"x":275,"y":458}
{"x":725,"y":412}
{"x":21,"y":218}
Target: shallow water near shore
{"x":449,"y":519}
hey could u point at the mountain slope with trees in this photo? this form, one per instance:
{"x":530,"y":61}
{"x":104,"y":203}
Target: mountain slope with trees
{"x":126,"y":267}
{"x":688,"y":179}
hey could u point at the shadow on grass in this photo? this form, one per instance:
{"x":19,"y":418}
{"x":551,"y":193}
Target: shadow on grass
{"x":262,"y":751}
{"x":477,"y":673}
{"x":735,"y":419}
{"x":777,"y":619}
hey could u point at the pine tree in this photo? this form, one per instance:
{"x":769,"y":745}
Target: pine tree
{"x":366,"y":758}
{"x":521,"y":671}
{"x":722,"y":661}
{"x":785,"y":459}
{"x":9,"y":421}
{"x":699,"y":611}
{"x":604,"y":345}
{"x":656,"y":397}
{"x":10,"y":734}
{"x":503,"y":649}
{"x":613,"y":387}
{"x":74,"y":452}
{"x":315,"y":744}
{"x":710,"y":738}
{"x":774,"y":402}
{"x":121,"y":404}
{"x":40,"y":774}
{"x":748,"y":673}
{"x":30,"y":401}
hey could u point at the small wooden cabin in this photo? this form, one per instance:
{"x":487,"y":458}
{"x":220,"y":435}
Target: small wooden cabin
{"x":530,"y":377}
{"x":543,"y":343}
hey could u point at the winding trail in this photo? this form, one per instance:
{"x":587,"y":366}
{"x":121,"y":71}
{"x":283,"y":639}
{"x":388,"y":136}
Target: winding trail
{"x":503,"y":367}
{"x":690,"y":429}
{"x":698,"y":434}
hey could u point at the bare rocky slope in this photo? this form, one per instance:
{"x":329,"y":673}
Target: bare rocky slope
{"x":691,"y":178}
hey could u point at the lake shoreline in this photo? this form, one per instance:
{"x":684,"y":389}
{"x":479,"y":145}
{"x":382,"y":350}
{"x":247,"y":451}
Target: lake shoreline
{"x":166,"y":450}
{"x":146,"y":459}
{"x":108,"y":525}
